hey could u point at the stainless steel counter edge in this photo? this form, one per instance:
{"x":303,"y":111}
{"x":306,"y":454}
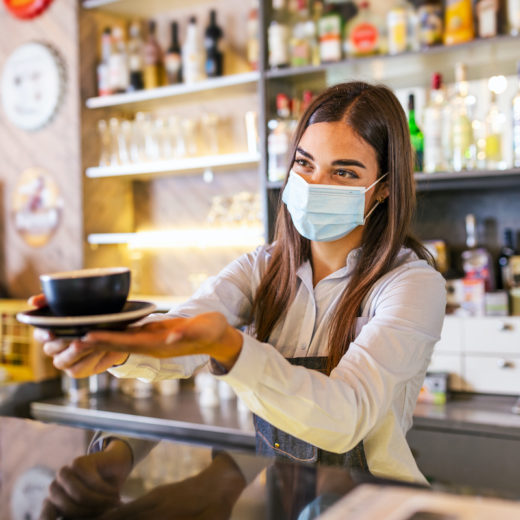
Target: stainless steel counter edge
{"x":149,"y":426}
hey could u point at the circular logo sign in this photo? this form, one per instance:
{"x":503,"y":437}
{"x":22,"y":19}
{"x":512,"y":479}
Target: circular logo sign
{"x":26,"y":9}
{"x":32,"y":85}
{"x":37,"y":206}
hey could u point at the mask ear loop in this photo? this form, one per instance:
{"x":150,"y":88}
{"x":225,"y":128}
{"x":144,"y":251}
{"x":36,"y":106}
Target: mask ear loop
{"x":378,"y":201}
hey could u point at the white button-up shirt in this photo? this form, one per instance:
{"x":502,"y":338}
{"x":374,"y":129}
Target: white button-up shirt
{"x":369,"y":396}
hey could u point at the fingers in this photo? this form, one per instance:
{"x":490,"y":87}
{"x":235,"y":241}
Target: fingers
{"x":49,"y":511}
{"x":43,"y":335}
{"x":69,"y":356}
{"x":91,"y":499}
{"x":38,"y":300}
{"x":55,"y":346}
{"x":137,"y":342}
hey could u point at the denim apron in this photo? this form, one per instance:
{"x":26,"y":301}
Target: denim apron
{"x":271,"y":441}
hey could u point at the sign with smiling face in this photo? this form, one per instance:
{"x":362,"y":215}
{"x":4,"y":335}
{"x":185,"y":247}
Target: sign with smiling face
{"x":32,"y":85}
{"x":26,"y":9}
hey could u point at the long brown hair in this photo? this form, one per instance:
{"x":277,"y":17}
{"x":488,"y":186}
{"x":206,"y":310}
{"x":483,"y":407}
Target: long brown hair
{"x":376,"y":115}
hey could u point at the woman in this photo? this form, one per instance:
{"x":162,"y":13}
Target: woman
{"x":341,"y":312}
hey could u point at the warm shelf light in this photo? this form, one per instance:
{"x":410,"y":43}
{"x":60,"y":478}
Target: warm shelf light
{"x":201,"y":238}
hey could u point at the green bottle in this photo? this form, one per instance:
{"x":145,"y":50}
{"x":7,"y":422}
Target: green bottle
{"x":416,"y":136}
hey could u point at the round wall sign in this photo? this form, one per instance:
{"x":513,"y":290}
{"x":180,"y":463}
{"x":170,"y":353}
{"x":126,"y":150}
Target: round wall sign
{"x":37,"y":206}
{"x":26,"y":9}
{"x":32,"y":85}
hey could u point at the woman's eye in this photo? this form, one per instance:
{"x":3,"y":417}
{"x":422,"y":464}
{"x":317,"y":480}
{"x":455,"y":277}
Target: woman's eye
{"x":302,"y":162}
{"x":347,"y":174}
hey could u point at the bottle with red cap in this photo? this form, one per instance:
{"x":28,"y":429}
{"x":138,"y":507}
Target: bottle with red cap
{"x":436,"y":128}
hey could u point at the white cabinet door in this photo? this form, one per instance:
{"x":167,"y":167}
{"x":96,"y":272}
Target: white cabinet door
{"x":493,"y":374}
{"x":492,"y":335}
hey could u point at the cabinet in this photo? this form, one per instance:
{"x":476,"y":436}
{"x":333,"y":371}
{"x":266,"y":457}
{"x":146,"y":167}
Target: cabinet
{"x":481,"y":354}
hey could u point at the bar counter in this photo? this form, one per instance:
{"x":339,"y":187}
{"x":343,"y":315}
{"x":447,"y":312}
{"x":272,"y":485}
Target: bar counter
{"x":180,"y":480}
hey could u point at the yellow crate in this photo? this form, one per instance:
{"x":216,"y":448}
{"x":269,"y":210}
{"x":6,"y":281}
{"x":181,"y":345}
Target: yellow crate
{"x":20,"y":354}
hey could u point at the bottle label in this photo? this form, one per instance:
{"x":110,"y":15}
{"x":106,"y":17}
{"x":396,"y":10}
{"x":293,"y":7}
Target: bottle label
{"x":364,"y":38}
{"x":430,"y":25}
{"x":397,"y":31}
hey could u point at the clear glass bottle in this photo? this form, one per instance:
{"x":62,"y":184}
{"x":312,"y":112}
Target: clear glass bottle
{"x":487,"y":18}
{"x":416,"y":135}
{"x":173,"y":57}
{"x":135,"y":58}
{"x":476,"y":260}
{"x":402,"y":26}
{"x":278,"y":139}
{"x":495,"y":123}
{"x":513,"y":17}
{"x":301,"y":41}
{"x":278,"y":35}
{"x":463,"y":147}
{"x":103,"y":71}
{"x":193,"y":69}
{"x":436,"y":128}
{"x":364,"y":32}
{"x":118,"y":62}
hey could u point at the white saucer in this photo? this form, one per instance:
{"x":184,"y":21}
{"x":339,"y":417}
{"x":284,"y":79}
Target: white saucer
{"x":79,"y":325}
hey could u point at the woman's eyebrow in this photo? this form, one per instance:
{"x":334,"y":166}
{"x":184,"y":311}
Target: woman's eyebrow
{"x":348,"y":162}
{"x":304,"y":153}
{"x":338,"y":162}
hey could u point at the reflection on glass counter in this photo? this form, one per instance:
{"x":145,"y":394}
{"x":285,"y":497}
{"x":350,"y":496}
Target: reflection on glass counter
{"x":52,"y":472}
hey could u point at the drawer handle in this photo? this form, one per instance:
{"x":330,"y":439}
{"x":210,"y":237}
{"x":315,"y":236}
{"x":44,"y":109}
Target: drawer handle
{"x":506,"y":327}
{"x":504,"y":363}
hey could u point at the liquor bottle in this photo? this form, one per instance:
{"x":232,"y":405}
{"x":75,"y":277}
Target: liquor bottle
{"x":103,"y":72}
{"x":329,"y":34}
{"x":278,"y":139}
{"x":436,"y":128}
{"x":458,"y":22}
{"x":463,"y":146}
{"x":193,"y":54}
{"x":135,"y":58}
{"x":402,"y":24}
{"x":118,"y":62}
{"x":152,"y":59}
{"x":487,"y":18}
{"x":364,"y":33}
{"x":430,"y":23}
{"x":504,"y":278}
{"x":303,"y":35}
{"x":476,"y":260}
{"x":173,"y":58}
{"x":416,"y":136}
{"x":278,"y":36}
{"x":513,"y":17}
{"x":494,"y":130}
{"x":516,"y":123}
{"x":214,"y":56}
{"x":253,"y":37}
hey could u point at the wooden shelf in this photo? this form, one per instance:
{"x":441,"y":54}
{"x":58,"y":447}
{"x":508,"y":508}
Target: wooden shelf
{"x":439,"y":181}
{"x":229,"y":83}
{"x":185,"y":166}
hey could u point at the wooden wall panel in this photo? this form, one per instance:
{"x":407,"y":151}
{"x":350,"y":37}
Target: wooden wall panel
{"x":56,"y":148}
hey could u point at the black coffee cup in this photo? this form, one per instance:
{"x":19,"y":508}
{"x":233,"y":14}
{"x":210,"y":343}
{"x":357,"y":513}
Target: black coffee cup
{"x":87,"y":291}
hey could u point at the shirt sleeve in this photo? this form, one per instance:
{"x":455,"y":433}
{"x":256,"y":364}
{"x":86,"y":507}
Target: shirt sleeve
{"x":230,"y":293}
{"x":336,"y":412}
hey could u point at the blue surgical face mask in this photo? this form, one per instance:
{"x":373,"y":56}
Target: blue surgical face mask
{"x":325,"y":212}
